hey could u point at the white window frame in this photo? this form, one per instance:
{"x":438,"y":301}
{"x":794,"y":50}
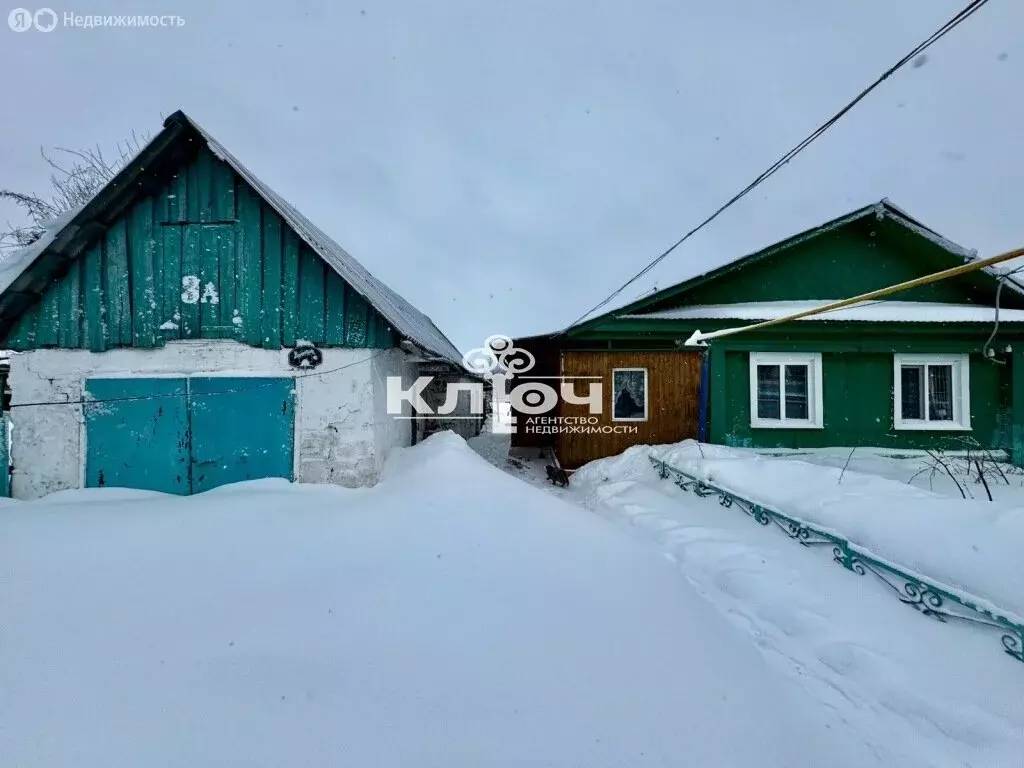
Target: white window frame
{"x":961,"y":393}
{"x":647,"y":394}
{"x":815,"y":406}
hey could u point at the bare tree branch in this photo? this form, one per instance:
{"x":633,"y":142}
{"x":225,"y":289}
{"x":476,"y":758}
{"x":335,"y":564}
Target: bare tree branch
{"x":848,"y":459}
{"x":981,"y":476}
{"x":75,"y":176}
{"x":949,"y":472}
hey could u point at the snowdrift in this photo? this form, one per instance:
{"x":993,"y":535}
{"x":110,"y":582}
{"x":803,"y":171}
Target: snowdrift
{"x":971,"y":546}
{"x":452,"y":615}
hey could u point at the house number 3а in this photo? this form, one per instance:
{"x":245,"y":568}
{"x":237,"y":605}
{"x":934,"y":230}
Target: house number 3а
{"x":194,"y":292}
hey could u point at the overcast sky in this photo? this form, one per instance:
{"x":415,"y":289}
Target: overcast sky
{"x":505,"y":165}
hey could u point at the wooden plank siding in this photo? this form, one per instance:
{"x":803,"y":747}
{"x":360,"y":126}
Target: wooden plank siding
{"x":545,"y":353}
{"x":673,"y":395}
{"x":268,"y":288}
{"x":857,"y":404}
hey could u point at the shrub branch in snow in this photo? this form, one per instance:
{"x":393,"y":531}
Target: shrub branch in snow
{"x":973,"y":462}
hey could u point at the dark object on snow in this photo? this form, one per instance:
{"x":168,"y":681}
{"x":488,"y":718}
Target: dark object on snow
{"x":557,"y":475}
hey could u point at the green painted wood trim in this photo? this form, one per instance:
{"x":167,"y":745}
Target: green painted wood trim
{"x":356,"y":315}
{"x":268,"y":289}
{"x":895,"y":345}
{"x":372,"y":330}
{"x":209,"y":275}
{"x":142,"y":282}
{"x":191,"y":264}
{"x":159,"y":296}
{"x":223,"y":192}
{"x":248,"y":268}
{"x":334,"y":330}
{"x":1017,"y":407}
{"x":177,"y":199}
{"x":717,"y":399}
{"x":879,"y":219}
{"x":94,"y":299}
{"x":70,"y":330}
{"x":620,"y":329}
{"x":199,"y":189}
{"x":311,"y":296}
{"x":226,"y":260}
{"x":290,"y":294}
{"x":808,"y":345}
{"x":170,"y":320}
{"x":119,"y":318}
{"x":26,"y":336}
{"x":48,"y":320}
{"x":272,"y":274}
{"x":5,"y":459}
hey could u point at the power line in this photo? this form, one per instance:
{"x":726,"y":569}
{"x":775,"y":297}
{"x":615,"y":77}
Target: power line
{"x":273,"y":380}
{"x":970,"y":9}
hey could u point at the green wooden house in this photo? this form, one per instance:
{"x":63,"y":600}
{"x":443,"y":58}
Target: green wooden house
{"x":188,"y":327}
{"x":927,"y":368}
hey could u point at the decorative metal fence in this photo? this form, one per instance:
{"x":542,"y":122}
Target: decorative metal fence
{"x":927,"y":597}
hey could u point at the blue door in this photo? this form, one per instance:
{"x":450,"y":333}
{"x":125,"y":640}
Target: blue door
{"x":242,"y":429}
{"x":136,"y":434}
{"x":187,"y":435}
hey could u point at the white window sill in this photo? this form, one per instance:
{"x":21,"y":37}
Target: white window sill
{"x":627,"y":421}
{"x":931,"y":426}
{"x":782,"y":424}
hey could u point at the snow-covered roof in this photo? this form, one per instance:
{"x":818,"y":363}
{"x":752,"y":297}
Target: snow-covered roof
{"x":408,"y":321}
{"x":19,"y":260}
{"x":405,"y":318}
{"x":871,"y":311}
{"x":882,"y":209}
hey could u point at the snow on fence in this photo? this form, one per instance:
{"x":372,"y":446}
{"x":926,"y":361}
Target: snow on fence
{"x":930,"y":597}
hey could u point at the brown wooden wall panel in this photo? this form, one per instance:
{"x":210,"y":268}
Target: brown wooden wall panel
{"x":673,"y":393}
{"x":546,"y":354}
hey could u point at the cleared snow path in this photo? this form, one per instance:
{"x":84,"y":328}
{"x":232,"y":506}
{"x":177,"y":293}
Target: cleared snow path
{"x":920,"y":692}
{"x":923,"y":693}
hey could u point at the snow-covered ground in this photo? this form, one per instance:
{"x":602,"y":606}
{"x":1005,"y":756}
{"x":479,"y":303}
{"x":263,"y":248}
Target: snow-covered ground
{"x":962,"y":474}
{"x":964,"y":545}
{"x":450,"y":616}
{"x":922,"y":693}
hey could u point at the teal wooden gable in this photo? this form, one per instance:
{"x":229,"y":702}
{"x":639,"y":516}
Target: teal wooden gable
{"x":863,"y":255}
{"x":204,"y":257}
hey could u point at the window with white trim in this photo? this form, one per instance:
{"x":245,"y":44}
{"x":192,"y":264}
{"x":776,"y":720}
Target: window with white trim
{"x":629,"y":394}
{"x":785,"y":390}
{"x":931,"y":392}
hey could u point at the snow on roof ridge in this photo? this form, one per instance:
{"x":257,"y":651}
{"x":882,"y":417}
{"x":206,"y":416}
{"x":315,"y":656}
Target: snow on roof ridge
{"x":17,"y":261}
{"x":868,"y":311}
{"x":408,"y":320}
{"x":403,"y":316}
{"x":883,"y":207}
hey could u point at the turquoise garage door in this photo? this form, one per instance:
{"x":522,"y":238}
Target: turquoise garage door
{"x":187,"y":435}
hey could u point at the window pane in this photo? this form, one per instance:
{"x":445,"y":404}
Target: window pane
{"x":797,"y":377}
{"x":912,"y":391}
{"x":768,"y":405}
{"x":940,"y":392}
{"x":629,"y":396}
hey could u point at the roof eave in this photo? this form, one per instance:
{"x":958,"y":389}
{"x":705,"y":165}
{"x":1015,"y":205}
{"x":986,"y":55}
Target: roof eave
{"x":94,"y":217}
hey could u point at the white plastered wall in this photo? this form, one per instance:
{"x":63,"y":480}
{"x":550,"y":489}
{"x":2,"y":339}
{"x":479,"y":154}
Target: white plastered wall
{"x":342,"y":429}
